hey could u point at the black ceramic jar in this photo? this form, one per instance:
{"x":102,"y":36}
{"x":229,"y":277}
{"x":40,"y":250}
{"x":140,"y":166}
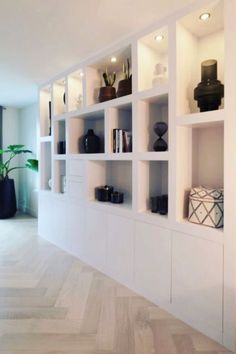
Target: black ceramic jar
{"x":103,"y":193}
{"x":91,"y":143}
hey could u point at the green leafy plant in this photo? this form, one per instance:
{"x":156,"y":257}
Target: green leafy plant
{"x":12,"y":151}
{"x":109,"y":79}
{"x":126,"y":70}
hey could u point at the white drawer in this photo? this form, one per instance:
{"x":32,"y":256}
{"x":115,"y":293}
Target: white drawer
{"x":76,"y":168}
{"x":76,"y":189}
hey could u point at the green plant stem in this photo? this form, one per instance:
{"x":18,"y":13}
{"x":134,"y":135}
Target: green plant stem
{"x":15,"y":168}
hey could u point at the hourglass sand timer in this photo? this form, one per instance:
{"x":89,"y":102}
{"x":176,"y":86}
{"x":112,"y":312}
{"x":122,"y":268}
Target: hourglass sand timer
{"x":160,"y":128}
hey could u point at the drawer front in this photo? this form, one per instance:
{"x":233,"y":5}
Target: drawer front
{"x":76,"y":189}
{"x":76,"y":168}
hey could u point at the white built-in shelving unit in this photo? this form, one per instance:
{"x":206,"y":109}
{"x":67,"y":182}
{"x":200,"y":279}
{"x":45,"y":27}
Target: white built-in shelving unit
{"x":187,"y":269}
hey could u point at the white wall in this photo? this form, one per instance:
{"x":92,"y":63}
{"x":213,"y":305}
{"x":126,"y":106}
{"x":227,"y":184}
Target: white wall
{"x":28,"y":180}
{"x":10,"y":137}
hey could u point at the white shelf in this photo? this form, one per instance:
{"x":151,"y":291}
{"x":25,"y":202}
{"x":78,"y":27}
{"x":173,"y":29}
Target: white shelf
{"x":116,"y":102}
{"x":153,"y":156}
{"x":46,"y":139}
{"x":59,"y":156}
{"x":202,"y":119}
{"x":59,"y":117}
{"x":154,"y":92}
{"x":201,"y":231}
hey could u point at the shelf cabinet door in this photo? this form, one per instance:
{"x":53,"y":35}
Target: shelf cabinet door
{"x":152,"y":262}
{"x":120,"y":248}
{"x":197,"y":276}
{"x":96,"y":238}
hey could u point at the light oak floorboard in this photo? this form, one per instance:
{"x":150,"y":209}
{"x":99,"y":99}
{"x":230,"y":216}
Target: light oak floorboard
{"x":52,"y":303}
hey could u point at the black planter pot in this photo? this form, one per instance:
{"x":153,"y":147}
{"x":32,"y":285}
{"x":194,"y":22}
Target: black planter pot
{"x":7,"y":198}
{"x":124,"y":87}
{"x":106,"y":93}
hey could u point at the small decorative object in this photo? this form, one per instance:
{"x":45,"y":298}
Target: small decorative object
{"x":64,"y":101}
{"x":117,"y":197}
{"x":159,"y":204}
{"x":107,"y":92}
{"x":7,"y":188}
{"x":61,"y":147}
{"x":160,"y":128}
{"x":209,"y":91}
{"x":160,"y":74}
{"x":103,"y":193}
{"x":63,"y":184}
{"x":50,"y":183}
{"x":206,"y":206}
{"x":125,"y":85}
{"x":79,"y":101}
{"x":91,"y":143}
{"x":50,"y":118}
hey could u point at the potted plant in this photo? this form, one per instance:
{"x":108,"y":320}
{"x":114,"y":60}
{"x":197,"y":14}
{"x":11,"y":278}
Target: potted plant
{"x":125,"y":85}
{"x":107,"y":92}
{"x":7,"y":186}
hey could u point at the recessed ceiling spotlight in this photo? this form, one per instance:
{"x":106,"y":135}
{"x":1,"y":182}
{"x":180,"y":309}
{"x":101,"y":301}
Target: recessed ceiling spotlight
{"x":205,"y":16}
{"x":113,"y":59}
{"x":159,"y":38}
{"x":81,"y":74}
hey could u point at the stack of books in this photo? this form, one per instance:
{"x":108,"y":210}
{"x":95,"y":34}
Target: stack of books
{"x":122,"y":141}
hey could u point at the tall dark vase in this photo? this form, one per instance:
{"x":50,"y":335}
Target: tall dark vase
{"x":7,"y":198}
{"x":209,"y":91}
{"x":91,"y":143}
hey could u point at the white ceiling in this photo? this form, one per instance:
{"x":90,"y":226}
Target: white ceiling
{"x":41,"y":38}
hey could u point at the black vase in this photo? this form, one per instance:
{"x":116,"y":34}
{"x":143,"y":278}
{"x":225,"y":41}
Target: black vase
{"x":160,"y":128}
{"x":209,"y":91}
{"x":7,"y":198}
{"x":91,"y":143}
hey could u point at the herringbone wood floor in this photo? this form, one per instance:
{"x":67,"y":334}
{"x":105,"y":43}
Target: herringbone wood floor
{"x":52,"y":303}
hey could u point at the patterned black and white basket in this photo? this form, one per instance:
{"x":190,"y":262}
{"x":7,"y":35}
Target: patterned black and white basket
{"x":206,"y":206}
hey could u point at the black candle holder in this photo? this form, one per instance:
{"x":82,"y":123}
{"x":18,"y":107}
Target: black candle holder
{"x":103,"y":193}
{"x":209,"y":91}
{"x":61,"y":147}
{"x":160,"y":128}
{"x":117,"y":197}
{"x":159,"y":204}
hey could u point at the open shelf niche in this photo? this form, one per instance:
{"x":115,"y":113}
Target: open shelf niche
{"x":45,"y":102}
{"x":75,"y":90}
{"x":153,"y":59}
{"x":59,"y":90}
{"x":59,"y":176}
{"x":198,"y":41}
{"x":152,"y":182}
{"x":200,"y":161}
{"x":151,"y":111}
{"x":94,"y":79}
{"x":112,"y":173}
{"x":79,"y":126}
{"x":120,"y":117}
{"x":59,"y":137}
{"x":45,"y":165}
